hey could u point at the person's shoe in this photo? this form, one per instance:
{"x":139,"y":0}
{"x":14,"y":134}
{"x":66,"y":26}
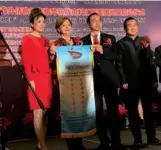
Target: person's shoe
{"x":139,"y":145}
{"x":37,"y":148}
{"x":154,"y":141}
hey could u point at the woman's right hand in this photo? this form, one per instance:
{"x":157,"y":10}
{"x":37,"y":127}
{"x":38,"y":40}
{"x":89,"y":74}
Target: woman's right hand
{"x":32,"y":84}
{"x":52,"y":49}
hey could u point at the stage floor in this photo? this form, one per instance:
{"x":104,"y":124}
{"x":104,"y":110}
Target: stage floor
{"x":90,"y":142}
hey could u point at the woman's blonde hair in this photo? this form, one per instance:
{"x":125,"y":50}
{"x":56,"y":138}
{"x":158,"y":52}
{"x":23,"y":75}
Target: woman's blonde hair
{"x":60,"y":21}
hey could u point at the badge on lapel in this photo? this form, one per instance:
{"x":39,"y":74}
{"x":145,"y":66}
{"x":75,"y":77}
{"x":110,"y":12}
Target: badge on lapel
{"x":77,"y":41}
{"x":145,"y":42}
{"x":107,"y":41}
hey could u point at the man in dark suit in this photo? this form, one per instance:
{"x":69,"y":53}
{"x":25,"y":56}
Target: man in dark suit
{"x":106,"y":82}
{"x":139,"y":78}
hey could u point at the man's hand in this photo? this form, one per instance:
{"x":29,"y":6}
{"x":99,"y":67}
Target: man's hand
{"x":125,"y":86}
{"x":92,"y":48}
{"x":99,"y":48}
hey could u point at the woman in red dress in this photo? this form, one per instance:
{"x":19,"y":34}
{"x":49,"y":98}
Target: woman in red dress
{"x":37,"y":69}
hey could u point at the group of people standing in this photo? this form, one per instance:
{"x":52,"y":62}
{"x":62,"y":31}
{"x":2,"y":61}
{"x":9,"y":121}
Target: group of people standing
{"x":127,"y":64}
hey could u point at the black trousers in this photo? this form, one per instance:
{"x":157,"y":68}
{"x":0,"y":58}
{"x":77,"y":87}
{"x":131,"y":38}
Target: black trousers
{"x":131,"y":102}
{"x":110,"y":94}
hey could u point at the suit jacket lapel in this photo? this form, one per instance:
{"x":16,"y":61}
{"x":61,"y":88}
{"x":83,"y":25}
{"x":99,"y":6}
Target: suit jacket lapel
{"x":102,"y":38}
{"x":88,"y":40}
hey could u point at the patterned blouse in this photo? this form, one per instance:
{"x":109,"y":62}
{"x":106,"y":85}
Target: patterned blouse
{"x":61,"y":42}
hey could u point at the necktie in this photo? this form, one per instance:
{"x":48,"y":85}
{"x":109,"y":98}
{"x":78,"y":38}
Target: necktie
{"x":95,"y":41}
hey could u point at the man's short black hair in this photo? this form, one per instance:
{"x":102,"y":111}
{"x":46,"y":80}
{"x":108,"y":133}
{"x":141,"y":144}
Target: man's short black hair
{"x":89,"y":17}
{"x":127,"y":19}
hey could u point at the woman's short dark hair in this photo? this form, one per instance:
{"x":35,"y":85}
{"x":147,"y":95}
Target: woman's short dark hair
{"x":89,"y":17}
{"x":35,"y":14}
{"x":60,"y":21}
{"x":127,"y":19}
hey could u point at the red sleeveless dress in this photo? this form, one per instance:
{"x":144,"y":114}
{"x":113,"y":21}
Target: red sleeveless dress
{"x":37,"y":69}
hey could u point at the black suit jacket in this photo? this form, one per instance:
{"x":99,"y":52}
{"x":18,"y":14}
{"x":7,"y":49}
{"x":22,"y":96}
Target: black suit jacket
{"x":137,"y":62}
{"x":108,"y":60}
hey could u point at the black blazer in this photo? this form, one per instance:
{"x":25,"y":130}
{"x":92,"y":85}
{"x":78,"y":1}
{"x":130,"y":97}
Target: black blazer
{"x":107,"y":65}
{"x":137,"y":62}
